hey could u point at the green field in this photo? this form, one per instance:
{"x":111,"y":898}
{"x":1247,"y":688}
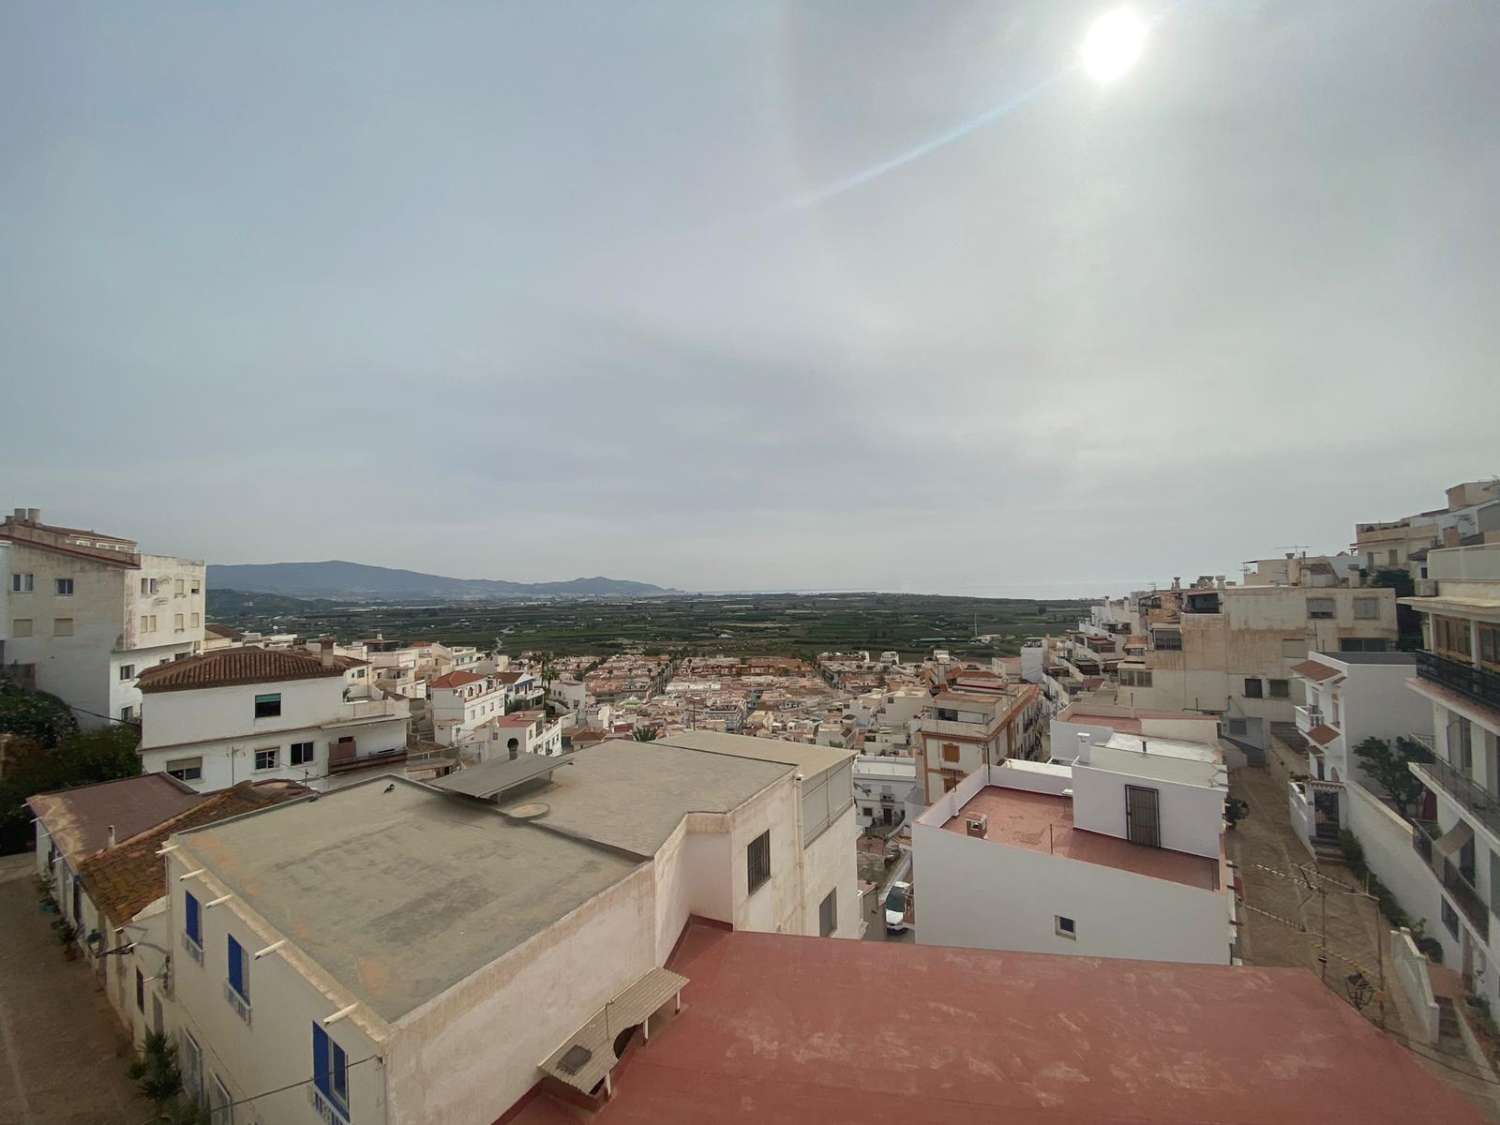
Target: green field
{"x":790,"y":624}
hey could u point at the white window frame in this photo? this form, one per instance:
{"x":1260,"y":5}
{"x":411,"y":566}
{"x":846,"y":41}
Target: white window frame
{"x":63,"y":587}
{"x":273,"y":758}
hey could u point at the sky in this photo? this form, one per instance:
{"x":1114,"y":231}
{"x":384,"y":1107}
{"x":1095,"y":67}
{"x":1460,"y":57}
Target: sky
{"x":840,"y":295}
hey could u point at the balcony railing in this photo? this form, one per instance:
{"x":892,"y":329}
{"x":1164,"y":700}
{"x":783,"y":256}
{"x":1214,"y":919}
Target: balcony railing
{"x":1307,"y":718}
{"x":1459,"y":887}
{"x":1478,"y":684}
{"x":1456,"y":784}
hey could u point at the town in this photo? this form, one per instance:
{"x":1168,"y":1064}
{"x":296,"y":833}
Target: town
{"x":401,"y":879}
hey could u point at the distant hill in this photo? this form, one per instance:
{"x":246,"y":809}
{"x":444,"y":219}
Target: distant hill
{"x":356,"y":581}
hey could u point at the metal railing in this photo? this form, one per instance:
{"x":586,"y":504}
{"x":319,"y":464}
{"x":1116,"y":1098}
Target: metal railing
{"x":1462,"y":788}
{"x":1478,"y":684}
{"x":1459,"y":887}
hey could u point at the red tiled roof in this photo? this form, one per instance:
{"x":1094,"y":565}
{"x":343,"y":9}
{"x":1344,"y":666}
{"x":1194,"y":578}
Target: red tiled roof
{"x":507,"y":677}
{"x":125,"y":879}
{"x":454,"y":679}
{"x":792,"y":1030}
{"x":1322,"y":734}
{"x":1315,"y":670}
{"x":78,"y":819}
{"x":248,"y":665}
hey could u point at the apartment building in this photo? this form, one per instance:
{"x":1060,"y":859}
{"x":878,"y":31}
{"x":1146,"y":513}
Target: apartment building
{"x":460,"y":702}
{"x":1228,"y":650}
{"x":1472,"y":512}
{"x":86,"y":613}
{"x":1119,"y":854}
{"x":477,"y":936}
{"x":1457,"y":833}
{"x":960,"y":731}
{"x":882,"y":789}
{"x":214,"y":720}
{"x":529,"y":732}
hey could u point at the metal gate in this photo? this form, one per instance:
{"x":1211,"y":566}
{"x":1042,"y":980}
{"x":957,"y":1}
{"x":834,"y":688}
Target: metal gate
{"x":1142,"y":819}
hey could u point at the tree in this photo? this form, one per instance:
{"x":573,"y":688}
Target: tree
{"x":1387,"y":767}
{"x":82,"y":758}
{"x":34,"y":715}
{"x":644,"y":734}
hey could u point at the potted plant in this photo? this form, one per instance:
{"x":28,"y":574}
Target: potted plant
{"x":66,"y":933}
{"x":46,"y":902}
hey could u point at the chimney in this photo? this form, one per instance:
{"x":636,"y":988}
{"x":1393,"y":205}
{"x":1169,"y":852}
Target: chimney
{"x":1084,"y":742}
{"x":19,"y":516}
{"x":111,"y":837}
{"x":325,"y":650}
{"x":33,"y":515}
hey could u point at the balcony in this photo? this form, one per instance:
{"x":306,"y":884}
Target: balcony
{"x":370,"y":711}
{"x":346,"y":756}
{"x":1479,"y":684}
{"x":240,"y":1005}
{"x":1438,"y":775}
{"x":1455,"y":881}
{"x":1307,"y":718}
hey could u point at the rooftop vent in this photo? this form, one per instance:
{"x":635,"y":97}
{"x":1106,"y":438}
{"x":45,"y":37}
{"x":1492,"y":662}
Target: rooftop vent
{"x":977,"y":825}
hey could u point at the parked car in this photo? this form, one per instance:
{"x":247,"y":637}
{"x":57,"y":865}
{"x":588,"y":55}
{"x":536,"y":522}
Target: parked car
{"x":896,"y":901}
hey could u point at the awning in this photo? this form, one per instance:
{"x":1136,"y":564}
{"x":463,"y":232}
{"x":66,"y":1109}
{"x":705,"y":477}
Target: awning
{"x":1454,"y":839}
{"x":588,"y":1056}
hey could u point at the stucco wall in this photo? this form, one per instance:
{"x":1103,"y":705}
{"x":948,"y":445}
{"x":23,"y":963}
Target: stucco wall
{"x":829,"y":864}
{"x":1192,"y":817}
{"x":982,"y":894}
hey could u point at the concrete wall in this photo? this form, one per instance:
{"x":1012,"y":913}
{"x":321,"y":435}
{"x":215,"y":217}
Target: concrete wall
{"x":986,"y":895}
{"x":227,"y":761}
{"x":1409,"y":967}
{"x":1192,"y":817}
{"x":829,"y":864}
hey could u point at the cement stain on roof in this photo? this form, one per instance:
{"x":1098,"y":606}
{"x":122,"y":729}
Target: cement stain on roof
{"x":400,"y":892}
{"x":633,"y":795}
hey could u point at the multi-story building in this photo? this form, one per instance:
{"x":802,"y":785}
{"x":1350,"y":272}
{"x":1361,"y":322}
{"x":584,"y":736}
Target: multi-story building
{"x":86,"y":613}
{"x":529,"y":732}
{"x":1458,"y":827}
{"x":882,"y":789}
{"x":460,"y":702}
{"x":500,"y":929}
{"x":1228,"y":650}
{"x":960,"y":731}
{"x":1119,"y":854}
{"x":1472,"y":510}
{"x":217,"y":719}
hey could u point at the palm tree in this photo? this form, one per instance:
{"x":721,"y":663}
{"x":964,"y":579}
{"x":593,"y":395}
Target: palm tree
{"x":644,"y":734}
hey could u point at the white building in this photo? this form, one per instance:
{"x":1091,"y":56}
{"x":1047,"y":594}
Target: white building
{"x":960,"y":731}
{"x":461,"y":702}
{"x":86,"y":613}
{"x":469,"y":935}
{"x":882,"y":786}
{"x":1119,"y":855}
{"x":218,"y":719}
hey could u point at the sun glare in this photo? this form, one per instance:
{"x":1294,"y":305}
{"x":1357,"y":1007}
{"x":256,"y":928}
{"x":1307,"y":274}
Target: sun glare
{"x":1114,"y":42}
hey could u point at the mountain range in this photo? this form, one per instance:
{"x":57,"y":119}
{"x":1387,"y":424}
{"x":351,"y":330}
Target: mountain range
{"x":356,"y":581}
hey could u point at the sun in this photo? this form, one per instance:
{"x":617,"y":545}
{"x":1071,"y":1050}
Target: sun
{"x":1113,"y":44}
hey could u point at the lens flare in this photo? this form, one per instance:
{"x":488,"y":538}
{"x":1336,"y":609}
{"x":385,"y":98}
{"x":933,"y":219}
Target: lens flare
{"x":1113,"y":44}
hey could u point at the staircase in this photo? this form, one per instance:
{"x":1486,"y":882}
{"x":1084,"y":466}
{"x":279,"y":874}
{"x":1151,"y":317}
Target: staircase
{"x":1450,"y":1038}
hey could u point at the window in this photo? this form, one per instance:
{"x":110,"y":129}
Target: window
{"x":179,"y":587}
{"x":192,"y":918}
{"x":1392,"y":558}
{"x":1369,"y":560}
{"x":220,"y":1104}
{"x":1279,"y":689}
{"x":1065,"y":927}
{"x":62,"y":626}
{"x":64,"y":587}
{"x":1236,"y":728}
{"x":22,"y":583}
{"x":950,"y":752}
{"x":1253,"y":688}
{"x":127,"y":672}
{"x":1361,"y":644}
{"x":828,"y":914}
{"x":196,"y":586}
{"x":866,"y":810}
{"x":302,"y":753}
{"x":266,"y":759}
{"x":20,"y":627}
{"x":239,"y":968}
{"x":947,"y":715}
{"x":127,"y":713}
{"x":1167,"y":641}
{"x":1450,"y":635}
{"x":196,"y":621}
{"x":185,"y":769}
{"x":268,"y":706}
{"x":1321,"y":608}
{"x":1366,"y":609}
{"x":1461,"y":744}
{"x":148,"y":585}
{"x":758,"y":861}
{"x":179,"y":623}
{"x":140,"y":991}
{"x":331,"y":1071}
{"x":1450,"y":920}
{"x":192,"y":1067}
{"x":148,"y":623}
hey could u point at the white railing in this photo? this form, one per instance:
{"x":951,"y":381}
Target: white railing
{"x":195,"y":951}
{"x":362,"y":709}
{"x":1411,"y":971}
{"x":325,"y":1107}
{"x":237,"y":1002}
{"x":1307,"y":718}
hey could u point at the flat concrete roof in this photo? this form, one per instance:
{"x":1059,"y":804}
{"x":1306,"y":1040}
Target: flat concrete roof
{"x":1161,"y":767}
{"x":489,"y":779}
{"x":633,"y":795}
{"x":400,"y":892}
{"x":808,"y":1031}
{"x":810,"y":760}
{"x":1042,"y":822}
{"x":1166,"y":747}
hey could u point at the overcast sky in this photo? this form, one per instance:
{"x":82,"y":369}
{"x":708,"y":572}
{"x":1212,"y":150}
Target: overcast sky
{"x":531,"y":291}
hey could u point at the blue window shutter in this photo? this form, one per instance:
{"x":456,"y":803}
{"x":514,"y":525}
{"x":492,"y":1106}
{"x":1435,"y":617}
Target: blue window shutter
{"x":320,"y":1059}
{"x":236,"y":967}
{"x":194,"y":926}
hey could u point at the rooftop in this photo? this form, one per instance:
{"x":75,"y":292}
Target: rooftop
{"x":454,"y":680}
{"x":1316,"y":670}
{"x":400,"y":892}
{"x":811,"y":760}
{"x":633,"y":795}
{"x":126,"y":879}
{"x":1407,"y":658}
{"x":248,"y":665}
{"x":789,"y":1030}
{"x":78,"y":820}
{"x":1042,"y":822}
{"x":1180,"y":762}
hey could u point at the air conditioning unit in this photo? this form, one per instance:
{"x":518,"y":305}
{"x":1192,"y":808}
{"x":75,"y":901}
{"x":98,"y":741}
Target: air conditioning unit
{"x":977,"y":825}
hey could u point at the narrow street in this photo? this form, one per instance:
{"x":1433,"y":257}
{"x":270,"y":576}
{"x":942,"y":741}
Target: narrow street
{"x":63,"y":1053}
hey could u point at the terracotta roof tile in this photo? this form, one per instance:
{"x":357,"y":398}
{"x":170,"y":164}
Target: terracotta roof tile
{"x":125,"y":879}
{"x":1322,"y":734}
{"x":78,"y":820}
{"x":248,"y":665}
{"x":454,"y":679}
{"x":1315,"y":670}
